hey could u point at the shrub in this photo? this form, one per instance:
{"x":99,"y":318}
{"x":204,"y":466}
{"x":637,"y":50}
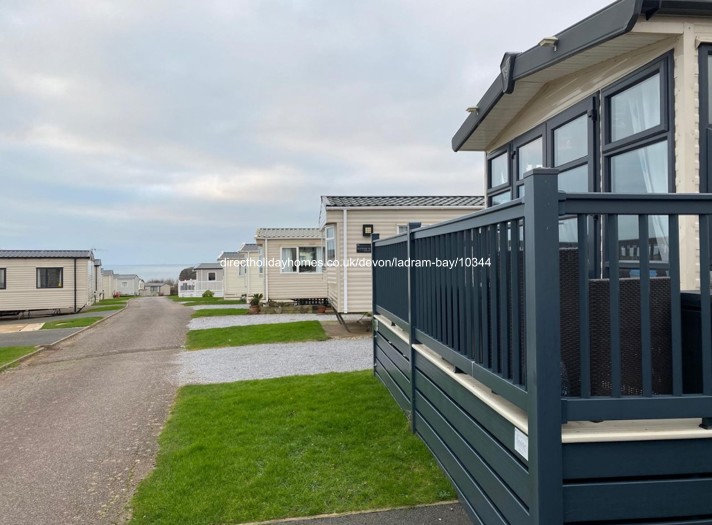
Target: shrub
{"x":208,"y":293}
{"x":255,"y":301}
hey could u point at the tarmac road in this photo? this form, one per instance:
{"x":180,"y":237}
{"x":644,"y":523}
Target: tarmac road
{"x":78,"y":423}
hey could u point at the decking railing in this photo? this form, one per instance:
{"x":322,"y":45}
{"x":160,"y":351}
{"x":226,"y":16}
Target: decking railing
{"x":194,"y":288}
{"x":599,"y":320}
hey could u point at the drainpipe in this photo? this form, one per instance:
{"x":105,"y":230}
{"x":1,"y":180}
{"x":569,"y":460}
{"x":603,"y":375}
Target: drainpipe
{"x":266,"y":273}
{"x":75,"y":285}
{"x":346,"y":273}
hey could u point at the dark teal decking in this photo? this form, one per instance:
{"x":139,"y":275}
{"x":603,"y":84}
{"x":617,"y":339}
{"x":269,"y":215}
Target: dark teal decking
{"x":475,"y":357}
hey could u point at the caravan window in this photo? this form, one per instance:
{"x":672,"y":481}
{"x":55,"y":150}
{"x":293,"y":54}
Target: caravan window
{"x":3,"y":279}
{"x":330,"y":234}
{"x":304,"y":259}
{"x":49,"y":277}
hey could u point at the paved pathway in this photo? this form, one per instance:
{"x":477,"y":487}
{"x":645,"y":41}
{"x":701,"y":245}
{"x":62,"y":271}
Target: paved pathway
{"x":78,"y":424}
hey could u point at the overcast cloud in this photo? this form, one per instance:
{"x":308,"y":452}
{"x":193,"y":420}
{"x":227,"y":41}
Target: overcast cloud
{"x":165,"y":132}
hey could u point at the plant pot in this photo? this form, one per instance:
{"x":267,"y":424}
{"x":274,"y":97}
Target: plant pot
{"x":254,"y":309}
{"x":321,"y":309}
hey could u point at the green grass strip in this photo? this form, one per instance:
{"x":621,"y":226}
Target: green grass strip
{"x":107,"y":308}
{"x":71,"y":323}
{"x":10,"y":353}
{"x":193,"y":301}
{"x":119,"y":300}
{"x":218,"y":312}
{"x":255,"y":335}
{"x":289,"y":447}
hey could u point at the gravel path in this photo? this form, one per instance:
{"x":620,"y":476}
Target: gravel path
{"x":79,"y":423}
{"x":246,"y":320}
{"x":219,"y":306}
{"x":225,"y":365}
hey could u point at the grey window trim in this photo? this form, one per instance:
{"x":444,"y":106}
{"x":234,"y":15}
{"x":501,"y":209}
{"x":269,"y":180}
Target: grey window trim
{"x":589,"y":108}
{"x":61,"y":278}
{"x":493,"y":155}
{"x":704,"y":51}
{"x":664,"y":131}
{"x":3,"y":282}
{"x":523,"y":140}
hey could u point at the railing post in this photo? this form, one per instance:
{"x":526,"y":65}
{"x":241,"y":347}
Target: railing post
{"x":541,"y":240}
{"x":374,"y":238}
{"x":411,"y":317}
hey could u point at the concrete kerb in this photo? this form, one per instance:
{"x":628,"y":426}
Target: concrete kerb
{"x":346,"y":514}
{"x":40,"y":348}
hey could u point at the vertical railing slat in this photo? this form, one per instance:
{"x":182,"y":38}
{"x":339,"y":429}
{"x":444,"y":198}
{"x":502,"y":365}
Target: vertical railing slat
{"x":615,"y":322}
{"x":584,"y":317}
{"x":495,"y":364}
{"x":645,"y":334}
{"x":476,"y":299}
{"x":706,"y":336}
{"x":462,"y":321}
{"x":485,"y":296}
{"x":516,"y":344}
{"x":675,"y":307}
{"x":503,"y":284}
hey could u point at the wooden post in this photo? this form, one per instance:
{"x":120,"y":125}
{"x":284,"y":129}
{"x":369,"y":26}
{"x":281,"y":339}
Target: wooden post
{"x":374,"y":238}
{"x":541,"y":227}
{"x":411,"y":317}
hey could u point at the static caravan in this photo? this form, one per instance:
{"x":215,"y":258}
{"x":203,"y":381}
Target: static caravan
{"x":251,"y":275}
{"x":347,"y":224}
{"x":230,"y":262}
{"x":108,"y":284}
{"x":244,"y":271}
{"x":96,"y":280}
{"x":293,"y":264}
{"x":564,"y":376}
{"x":208,"y":277}
{"x":154,"y":289}
{"x":128,"y":284}
{"x":57,"y":280}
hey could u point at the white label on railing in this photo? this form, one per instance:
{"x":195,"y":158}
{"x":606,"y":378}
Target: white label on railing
{"x":521,"y":443}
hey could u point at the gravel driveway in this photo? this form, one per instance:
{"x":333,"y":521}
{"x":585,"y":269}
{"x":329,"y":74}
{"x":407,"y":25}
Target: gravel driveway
{"x":275,"y":360}
{"x":79,"y":423}
{"x":246,"y":320}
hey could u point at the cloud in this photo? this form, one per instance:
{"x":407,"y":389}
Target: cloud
{"x":138,"y":126}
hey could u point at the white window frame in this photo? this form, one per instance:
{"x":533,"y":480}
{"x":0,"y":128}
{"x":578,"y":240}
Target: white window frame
{"x":319,"y":257}
{"x":329,"y":238}
{"x":3,"y":279}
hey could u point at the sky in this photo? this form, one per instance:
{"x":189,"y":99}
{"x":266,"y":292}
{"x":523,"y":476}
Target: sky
{"x":161,"y":133}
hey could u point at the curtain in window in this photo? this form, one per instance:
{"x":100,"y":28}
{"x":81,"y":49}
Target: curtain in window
{"x":645,"y":169}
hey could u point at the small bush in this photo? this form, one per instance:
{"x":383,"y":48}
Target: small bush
{"x":208,"y":293}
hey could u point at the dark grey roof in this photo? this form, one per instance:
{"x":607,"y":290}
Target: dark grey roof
{"x":249,"y":247}
{"x":406,"y":201}
{"x":288,"y":233}
{"x":209,"y":266}
{"x":97,"y":262}
{"x":46,"y":254}
{"x":228,"y":255}
{"x":127,"y":276}
{"x":602,"y":26}
{"x":107,"y":272}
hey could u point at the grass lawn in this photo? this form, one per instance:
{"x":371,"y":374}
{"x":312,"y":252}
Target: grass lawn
{"x":288,"y":447}
{"x":217,"y":312}
{"x":255,"y":335}
{"x":193,"y":301}
{"x":10,"y":353}
{"x":119,"y":300}
{"x":71,"y":323}
{"x":106,"y":308}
